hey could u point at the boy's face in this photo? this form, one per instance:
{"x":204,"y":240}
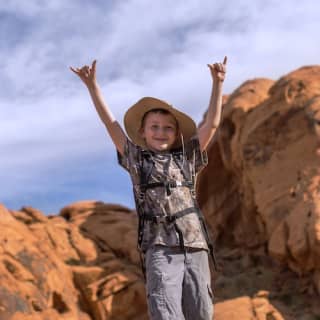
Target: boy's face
{"x":159,"y":131}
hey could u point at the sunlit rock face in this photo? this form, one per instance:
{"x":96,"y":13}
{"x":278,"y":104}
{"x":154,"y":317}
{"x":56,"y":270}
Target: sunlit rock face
{"x":261,"y":188}
{"x":79,"y":265}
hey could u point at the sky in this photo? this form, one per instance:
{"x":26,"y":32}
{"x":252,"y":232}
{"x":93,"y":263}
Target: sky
{"x":54,"y":150}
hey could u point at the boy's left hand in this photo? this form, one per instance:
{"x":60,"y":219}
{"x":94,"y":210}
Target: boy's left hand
{"x":218,"y":70}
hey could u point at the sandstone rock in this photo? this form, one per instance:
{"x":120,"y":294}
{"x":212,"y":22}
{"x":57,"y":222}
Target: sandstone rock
{"x":112,"y":227}
{"x":235,"y":309}
{"x":265,"y":170}
{"x":264,"y":310}
{"x":316,"y":279}
{"x":35,"y":214}
{"x":75,"y":266}
{"x":33,"y":278}
{"x":277,"y":245}
{"x":5,"y":215}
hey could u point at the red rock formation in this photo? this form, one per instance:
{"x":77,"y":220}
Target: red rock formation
{"x":80,"y":265}
{"x":264,"y":171}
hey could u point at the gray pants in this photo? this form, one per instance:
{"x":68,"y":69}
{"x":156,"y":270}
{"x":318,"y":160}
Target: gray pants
{"x":178,"y":286}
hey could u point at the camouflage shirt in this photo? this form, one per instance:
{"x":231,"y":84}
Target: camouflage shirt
{"x":157,"y":201}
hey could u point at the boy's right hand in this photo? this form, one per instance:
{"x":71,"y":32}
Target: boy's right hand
{"x":86,"y":74}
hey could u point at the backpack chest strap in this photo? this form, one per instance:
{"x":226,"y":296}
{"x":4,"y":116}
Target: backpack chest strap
{"x":168,"y":185}
{"x":169,"y":218}
{"x":173,"y":219}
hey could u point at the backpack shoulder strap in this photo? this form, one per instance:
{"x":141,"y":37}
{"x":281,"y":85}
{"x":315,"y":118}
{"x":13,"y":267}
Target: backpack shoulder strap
{"x":146,"y":167}
{"x":181,"y":161}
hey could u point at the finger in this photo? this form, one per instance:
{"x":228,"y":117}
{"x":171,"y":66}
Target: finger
{"x":225,"y":60}
{"x":211,"y":67}
{"x":216,"y":66}
{"x":75,"y":70}
{"x":84,"y":68}
{"x":93,"y":67}
{"x":85,"y":71}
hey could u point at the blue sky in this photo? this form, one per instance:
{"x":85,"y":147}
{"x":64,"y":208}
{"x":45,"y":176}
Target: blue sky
{"x":54,"y":149}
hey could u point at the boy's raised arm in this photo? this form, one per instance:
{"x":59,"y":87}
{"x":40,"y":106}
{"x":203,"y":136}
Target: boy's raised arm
{"x":88,"y":76}
{"x":213,"y":117}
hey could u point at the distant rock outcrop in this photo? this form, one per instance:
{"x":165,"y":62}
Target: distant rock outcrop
{"x":260,"y":195}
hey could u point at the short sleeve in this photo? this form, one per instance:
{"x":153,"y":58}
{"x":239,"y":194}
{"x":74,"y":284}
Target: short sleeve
{"x":130,"y":158}
{"x":197,"y":157}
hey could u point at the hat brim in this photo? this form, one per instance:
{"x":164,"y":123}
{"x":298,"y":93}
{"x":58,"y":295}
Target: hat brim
{"x":134,"y":115}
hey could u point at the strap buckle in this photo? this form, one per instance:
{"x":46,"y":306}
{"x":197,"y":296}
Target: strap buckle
{"x":193,"y":192}
{"x":141,"y":195}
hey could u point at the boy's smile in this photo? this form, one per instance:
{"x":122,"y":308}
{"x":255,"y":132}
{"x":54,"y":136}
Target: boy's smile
{"x":159,"y":131}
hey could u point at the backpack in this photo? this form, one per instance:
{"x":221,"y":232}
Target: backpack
{"x":146,"y":166}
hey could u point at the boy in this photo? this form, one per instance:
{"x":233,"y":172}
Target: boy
{"x":163,"y":156}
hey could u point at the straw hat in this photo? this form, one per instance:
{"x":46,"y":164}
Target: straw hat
{"x":134,"y":115}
